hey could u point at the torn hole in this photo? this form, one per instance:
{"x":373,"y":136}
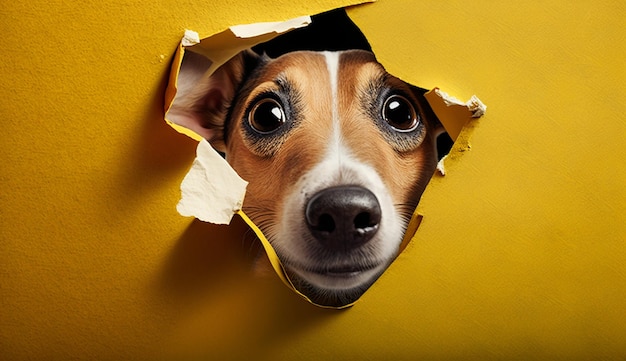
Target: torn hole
{"x":331,"y":107}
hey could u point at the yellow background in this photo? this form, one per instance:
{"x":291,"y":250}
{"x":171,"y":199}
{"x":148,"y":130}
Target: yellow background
{"x":520,"y":255}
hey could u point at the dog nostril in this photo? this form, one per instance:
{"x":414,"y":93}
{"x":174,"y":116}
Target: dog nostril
{"x":363,"y":221}
{"x":326,"y":223}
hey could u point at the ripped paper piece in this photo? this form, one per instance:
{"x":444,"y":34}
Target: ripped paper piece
{"x":441,"y":168}
{"x":278,"y":27}
{"x":190,"y":38}
{"x":453,"y":113}
{"x":212,"y":191}
{"x":474,"y":104}
{"x":454,"y":116}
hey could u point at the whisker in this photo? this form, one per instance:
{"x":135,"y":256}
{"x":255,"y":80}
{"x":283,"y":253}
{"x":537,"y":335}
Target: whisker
{"x":405,"y":208}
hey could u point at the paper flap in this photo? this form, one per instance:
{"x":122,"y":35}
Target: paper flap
{"x":452,"y":113}
{"x":212,"y":191}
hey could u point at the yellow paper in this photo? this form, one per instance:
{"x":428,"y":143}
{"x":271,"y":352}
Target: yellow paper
{"x":520,"y":254}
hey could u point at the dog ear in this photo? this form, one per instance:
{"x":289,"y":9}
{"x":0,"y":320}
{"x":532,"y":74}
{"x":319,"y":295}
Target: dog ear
{"x":202,"y":101}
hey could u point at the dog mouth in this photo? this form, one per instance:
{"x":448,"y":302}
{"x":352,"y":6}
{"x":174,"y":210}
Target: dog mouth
{"x":335,"y":286}
{"x":349,"y":271}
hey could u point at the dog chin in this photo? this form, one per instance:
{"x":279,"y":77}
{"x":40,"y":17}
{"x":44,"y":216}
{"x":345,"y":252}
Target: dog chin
{"x":335,"y":287}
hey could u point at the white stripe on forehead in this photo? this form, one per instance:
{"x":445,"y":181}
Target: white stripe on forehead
{"x":332,"y":64}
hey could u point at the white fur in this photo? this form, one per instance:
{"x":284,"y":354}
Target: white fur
{"x":332,"y":64}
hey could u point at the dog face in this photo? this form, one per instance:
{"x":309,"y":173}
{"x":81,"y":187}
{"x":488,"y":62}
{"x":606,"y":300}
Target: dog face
{"x":337,"y":153}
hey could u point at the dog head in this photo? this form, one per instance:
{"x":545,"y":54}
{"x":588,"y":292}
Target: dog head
{"x":337,"y":153}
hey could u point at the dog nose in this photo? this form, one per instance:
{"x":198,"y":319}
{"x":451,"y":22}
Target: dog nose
{"x":344,"y":217}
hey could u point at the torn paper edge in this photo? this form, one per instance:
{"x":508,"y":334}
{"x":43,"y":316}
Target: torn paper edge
{"x":264,"y":28}
{"x":474,"y":105}
{"x":441,"y":166}
{"x":190,"y":38}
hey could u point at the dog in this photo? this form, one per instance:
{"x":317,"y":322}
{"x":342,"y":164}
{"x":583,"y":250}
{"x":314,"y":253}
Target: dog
{"x":337,"y":153}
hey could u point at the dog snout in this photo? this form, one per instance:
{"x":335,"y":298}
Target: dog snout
{"x":343,"y":218}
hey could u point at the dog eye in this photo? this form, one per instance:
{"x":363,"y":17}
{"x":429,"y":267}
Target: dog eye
{"x":400,"y":114}
{"x":266,"y":115}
